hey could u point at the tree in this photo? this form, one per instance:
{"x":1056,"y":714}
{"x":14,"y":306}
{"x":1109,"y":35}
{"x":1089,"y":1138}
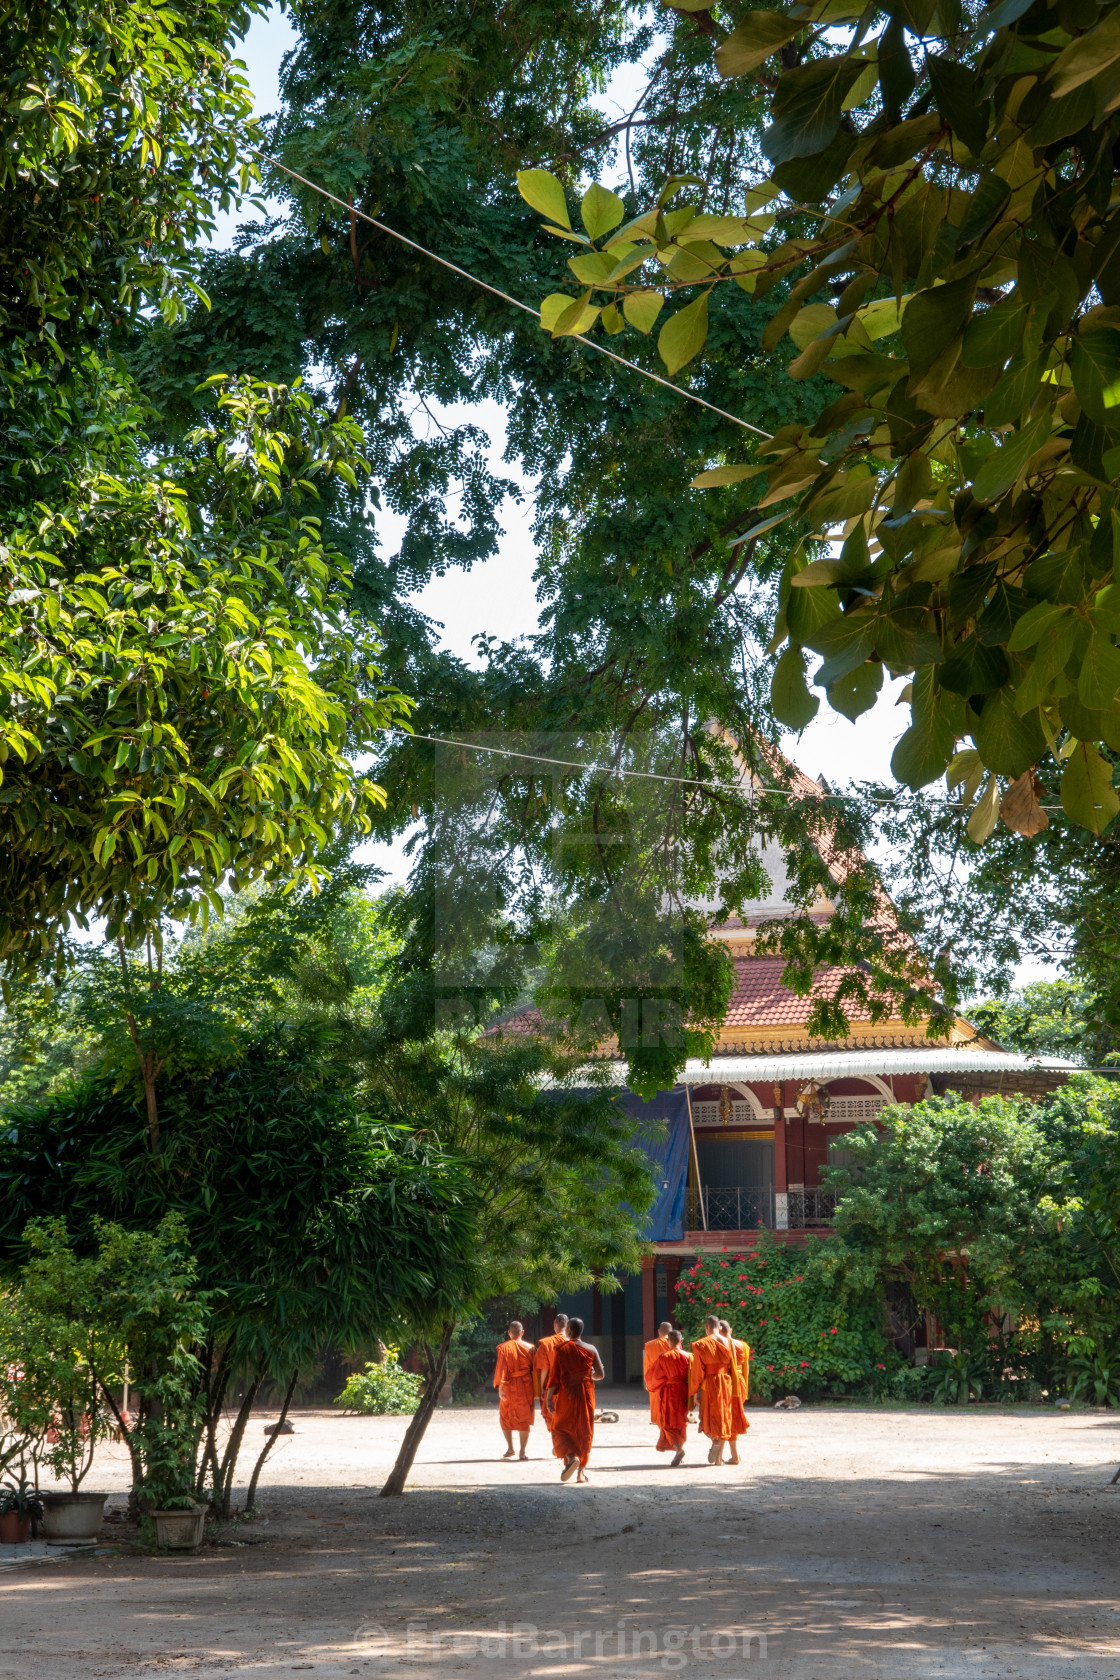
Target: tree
{"x":656,"y":603}
{"x":1047,"y":1017}
{"x":947,"y":184}
{"x":181,"y":689}
{"x":980,"y":1209}
{"x":310,"y":1220}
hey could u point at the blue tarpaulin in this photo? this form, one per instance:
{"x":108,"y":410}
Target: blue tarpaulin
{"x":668,"y":1157}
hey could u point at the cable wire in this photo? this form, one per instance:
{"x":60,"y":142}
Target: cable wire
{"x":496,"y":291}
{"x":654,"y":775}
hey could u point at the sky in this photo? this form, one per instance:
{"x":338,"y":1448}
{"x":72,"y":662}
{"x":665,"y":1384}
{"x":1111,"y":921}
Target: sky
{"x":498,"y":596}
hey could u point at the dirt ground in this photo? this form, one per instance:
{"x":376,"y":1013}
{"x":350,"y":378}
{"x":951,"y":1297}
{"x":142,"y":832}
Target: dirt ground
{"x":851,"y":1545}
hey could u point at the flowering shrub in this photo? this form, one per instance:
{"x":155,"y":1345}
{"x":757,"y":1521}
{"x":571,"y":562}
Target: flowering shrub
{"x":812,"y":1313}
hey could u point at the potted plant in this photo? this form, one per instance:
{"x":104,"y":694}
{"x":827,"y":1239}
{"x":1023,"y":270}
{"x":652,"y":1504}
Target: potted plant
{"x":20,"y":1506}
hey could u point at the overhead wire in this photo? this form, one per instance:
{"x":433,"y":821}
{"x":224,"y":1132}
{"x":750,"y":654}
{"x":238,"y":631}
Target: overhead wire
{"x":496,"y":291}
{"x":659,"y":776}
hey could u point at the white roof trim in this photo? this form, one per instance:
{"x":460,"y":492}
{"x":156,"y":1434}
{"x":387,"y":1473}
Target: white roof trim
{"x":855,"y":1064}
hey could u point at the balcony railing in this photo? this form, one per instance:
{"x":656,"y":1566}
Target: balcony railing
{"x":734,"y":1207}
{"x":810,"y":1207}
{"x":743,"y":1207}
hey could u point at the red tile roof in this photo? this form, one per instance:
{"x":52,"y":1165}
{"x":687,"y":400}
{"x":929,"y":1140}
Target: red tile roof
{"x":761,"y":1000}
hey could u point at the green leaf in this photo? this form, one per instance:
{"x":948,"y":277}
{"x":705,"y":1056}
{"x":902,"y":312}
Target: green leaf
{"x":856,"y":693}
{"x":731,"y":473}
{"x":807,"y":107}
{"x":641,"y":309}
{"x":1099,"y":681}
{"x":1085,"y":58}
{"x":923,"y":753}
{"x":562,"y":315}
{"x":543,"y":192}
{"x":956,"y":89}
{"x":1006,"y":463}
{"x":1008,"y":743}
{"x":1094,"y":358}
{"x":974,"y":669}
{"x":1040,"y":621}
{"x":790,"y":699}
{"x":683,"y":335}
{"x":846,"y":643}
{"x":995,"y":334}
{"x":1088,"y":796}
{"x":600,"y":210}
{"x":933,"y":319}
{"x":754,"y":40}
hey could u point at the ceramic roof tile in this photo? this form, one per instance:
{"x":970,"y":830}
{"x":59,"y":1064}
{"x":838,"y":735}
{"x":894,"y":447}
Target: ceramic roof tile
{"x":761,"y":1000}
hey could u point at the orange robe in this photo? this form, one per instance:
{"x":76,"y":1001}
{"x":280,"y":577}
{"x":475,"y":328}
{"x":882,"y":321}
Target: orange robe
{"x":710,"y":1378}
{"x":650,"y":1353}
{"x":573,"y":1422}
{"x":668,"y":1380}
{"x":542,"y":1371}
{"x":740,"y":1377}
{"x":513,"y":1379}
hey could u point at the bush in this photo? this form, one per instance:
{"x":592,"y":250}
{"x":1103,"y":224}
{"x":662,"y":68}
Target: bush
{"x":381,"y":1388}
{"x":812,"y":1314}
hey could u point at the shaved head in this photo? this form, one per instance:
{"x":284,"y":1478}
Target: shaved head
{"x":725,"y":1327}
{"x":711,"y":1323}
{"x":575,"y":1329}
{"x":664,"y":1329}
{"x":515,"y":1329}
{"x":560,"y":1321}
{"x":675,"y":1338}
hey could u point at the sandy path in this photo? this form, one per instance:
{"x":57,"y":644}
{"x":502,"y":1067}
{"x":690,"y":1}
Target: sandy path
{"x":852,"y":1545}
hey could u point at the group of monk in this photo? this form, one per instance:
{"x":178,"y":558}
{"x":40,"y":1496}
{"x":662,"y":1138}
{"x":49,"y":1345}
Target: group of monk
{"x":561,"y":1371}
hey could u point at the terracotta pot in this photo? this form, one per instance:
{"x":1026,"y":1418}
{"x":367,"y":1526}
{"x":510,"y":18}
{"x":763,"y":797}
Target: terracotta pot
{"x":179,"y":1531}
{"x":72,"y":1519}
{"x":15,"y":1526}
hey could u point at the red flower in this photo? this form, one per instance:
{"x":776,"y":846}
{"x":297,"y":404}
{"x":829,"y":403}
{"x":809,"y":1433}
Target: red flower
{"x":769,"y":1367}
{"x":804,"y":1364}
{"x":880,"y":1367}
{"x":832,"y":1332}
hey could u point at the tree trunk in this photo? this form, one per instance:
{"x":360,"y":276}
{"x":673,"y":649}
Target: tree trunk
{"x":270,"y":1442}
{"x":223,"y":1481}
{"x":414,"y":1434}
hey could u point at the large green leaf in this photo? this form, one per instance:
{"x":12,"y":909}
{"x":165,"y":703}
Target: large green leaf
{"x":753,"y":41}
{"x":1099,"y":682}
{"x":544,"y":193}
{"x":923,"y":753}
{"x":1095,"y":365}
{"x":1008,"y":743}
{"x":683,"y":335}
{"x":856,"y":693}
{"x":792,"y":703}
{"x":1087,"y":56}
{"x":1088,"y":796}
{"x":957,"y":90}
{"x":808,"y":106}
{"x":600,"y":210}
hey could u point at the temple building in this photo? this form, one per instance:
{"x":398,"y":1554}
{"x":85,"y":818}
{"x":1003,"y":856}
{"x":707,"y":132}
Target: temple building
{"x":746,"y":1135}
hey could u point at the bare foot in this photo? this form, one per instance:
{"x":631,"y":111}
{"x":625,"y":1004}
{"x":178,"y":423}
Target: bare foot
{"x":524,"y":1458}
{"x":509,"y":1454}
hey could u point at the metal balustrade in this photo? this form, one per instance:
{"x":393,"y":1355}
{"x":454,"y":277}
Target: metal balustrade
{"x":731,"y":1207}
{"x":811,"y":1207}
{"x":743,"y":1207}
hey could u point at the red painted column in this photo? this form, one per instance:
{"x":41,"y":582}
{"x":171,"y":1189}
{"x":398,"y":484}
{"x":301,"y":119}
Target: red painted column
{"x":649,"y":1301}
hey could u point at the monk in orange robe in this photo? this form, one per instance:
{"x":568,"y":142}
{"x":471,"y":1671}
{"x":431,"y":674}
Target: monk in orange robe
{"x":651,"y":1352}
{"x":668,"y":1380}
{"x":740,"y":1382}
{"x":576,"y":1369}
{"x":710,"y":1379}
{"x":513,"y":1379}
{"x":542,"y":1364}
